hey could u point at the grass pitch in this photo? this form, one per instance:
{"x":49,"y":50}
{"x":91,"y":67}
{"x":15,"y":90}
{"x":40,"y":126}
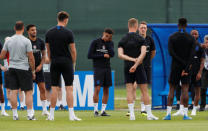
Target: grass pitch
{"x":116,"y":122}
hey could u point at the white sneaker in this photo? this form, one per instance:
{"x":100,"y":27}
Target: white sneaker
{"x":152,"y":117}
{"x":179,"y":113}
{"x":74,"y":118}
{"x":50,"y":118}
{"x":193,"y":113}
{"x":3,"y":113}
{"x":132,"y":118}
{"x":45,"y":113}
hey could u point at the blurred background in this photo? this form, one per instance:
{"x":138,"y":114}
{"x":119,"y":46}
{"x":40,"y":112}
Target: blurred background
{"x":88,"y":18}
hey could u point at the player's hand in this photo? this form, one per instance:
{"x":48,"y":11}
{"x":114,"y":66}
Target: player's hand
{"x":204,"y":46}
{"x":33,"y":76}
{"x":106,"y":56}
{"x":132,"y":69}
{"x":184,"y":73}
{"x":39,"y":68}
{"x":47,"y":60}
{"x":3,"y":68}
{"x":198,"y":76}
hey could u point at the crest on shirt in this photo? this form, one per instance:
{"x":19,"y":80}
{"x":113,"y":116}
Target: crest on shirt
{"x":103,"y":47}
{"x":34,"y":47}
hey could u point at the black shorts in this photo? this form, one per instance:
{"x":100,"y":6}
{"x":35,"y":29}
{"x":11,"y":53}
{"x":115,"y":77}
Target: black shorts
{"x":62,"y":66}
{"x":139,"y":76}
{"x":20,"y":79}
{"x":1,"y":77}
{"x":194,"y":82}
{"x":148,"y":71}
{"x":6,"y":79}
{"x":175,"y":75}
{"x":204,"y":78}
{"x":47,"y":76}
{"x":39,"y":77}
{"x":102,"y":77}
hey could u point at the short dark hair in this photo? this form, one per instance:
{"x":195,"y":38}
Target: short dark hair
{"x":108,"y":30}
{"x":143,"y":22}
{"x":62,"y":15}
{"x":182,"y":22}
{"x":29,"y":26}
{"x":19,"y":25}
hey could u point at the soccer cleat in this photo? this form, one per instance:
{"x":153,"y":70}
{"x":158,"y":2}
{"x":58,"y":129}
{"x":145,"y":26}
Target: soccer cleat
{"x":186,"y":117}
{"x":74,"y":118}
{"x":132,"y":118}
{"x":61,"y":107}
{"x":45,"y":113}
{"x":32,"y":118}
{"x":143,"y":113}
{"x":193,"y":113}
{"x":96,"y":114}
{"x":50,"y":118}
{"x":15,"y":118}
{"x":168,"y":117}
{"x":152,"y":117}
{"x":3,"y":113}
{"x":128,"y":113}
{"x":179,"y":113}
{"x":202,"y":109}
{"x":104,"y":114}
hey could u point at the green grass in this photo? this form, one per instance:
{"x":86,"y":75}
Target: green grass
{"x":117,"y":122}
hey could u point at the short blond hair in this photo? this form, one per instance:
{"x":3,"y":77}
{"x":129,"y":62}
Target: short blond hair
{"x":132,"y":22}
{"x":205,"y":37}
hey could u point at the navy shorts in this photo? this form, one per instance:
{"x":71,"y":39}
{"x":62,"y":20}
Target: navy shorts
{"x":175,"y":75}
{"x":62,"y":66}
{"x":102,"y":77}
{"x":47,"y":76}
{"x":39,"y":77}
{"x":194,"y":82}
{"x":139,"y":76}
{"x":148,"y":71}
{"x":20,"y":79}
{"x":6,"y":79}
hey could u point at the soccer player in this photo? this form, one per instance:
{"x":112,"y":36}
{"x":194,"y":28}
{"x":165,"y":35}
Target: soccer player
{"x":2,"y":68}
{"x":132,"y":50}
{"x":39,"y":53}
{"x":181,"y":47}
{"x":21,"y":68}
{"x":196,"y":71}
{"x":204,"y":78}
{"x":100,"y":51}
{"x":150,"y":54}
{"x":61,"y":51}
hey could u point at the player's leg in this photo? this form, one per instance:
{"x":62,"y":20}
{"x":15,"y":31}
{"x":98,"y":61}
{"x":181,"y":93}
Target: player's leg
{"x":47,"y":77}
{"x":3,"y":112}
{"x":134,"y":97}
{"x":21,"y":98}
{"x":196,"y":100}
{"x":26,"y":85}
{"x":67,"y":72}
{"x":43,"y":99}
{"x":130,"y":99}
{"x":60,"y":101}
{"x":13,"y":101}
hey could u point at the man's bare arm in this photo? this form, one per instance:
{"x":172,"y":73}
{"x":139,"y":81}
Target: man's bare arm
{"x":121,"y":55}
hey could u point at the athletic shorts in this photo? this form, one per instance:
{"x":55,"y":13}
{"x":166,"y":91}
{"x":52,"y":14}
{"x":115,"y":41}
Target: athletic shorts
{"x":102,"y":77}
{"x":62,"y":66}
{"x":148,"y":71}
{"x":139,"y":76}
{"x":204,"y":78}
{"x":20,"y":79}
{"x":47,"y":76}
{"x":194,"y":82}
{"x":175,"y":75}
{"x":6,"y":79}
{"x":1,"y":77}
{"x":39,"y":77}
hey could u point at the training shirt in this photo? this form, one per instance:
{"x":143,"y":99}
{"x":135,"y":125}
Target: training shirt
{"x":18,"y":46}
{"x":38,"y":46}
{"x":59,"y":39}
{"x":198,"y":55}
{"x":150,"y":47}
{"x":131,"y":44}
{"x":181,"y":47}
{"x":97,"y":50}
